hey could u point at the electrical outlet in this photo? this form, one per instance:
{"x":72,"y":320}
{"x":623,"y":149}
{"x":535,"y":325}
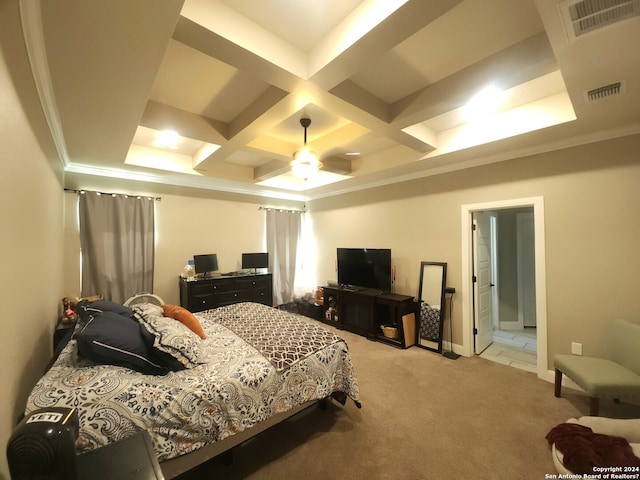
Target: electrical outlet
{"x":576,"y":348}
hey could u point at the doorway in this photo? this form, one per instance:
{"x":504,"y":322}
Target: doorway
{"x":504,"y":286}
{"x":533,"y":219}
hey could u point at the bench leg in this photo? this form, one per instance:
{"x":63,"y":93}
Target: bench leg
{"x":593,"y":406}
{"x":558,"y":384}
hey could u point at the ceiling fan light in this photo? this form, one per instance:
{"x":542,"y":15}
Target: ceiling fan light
{"x":305,"y":163}
{"x":305,"y":155}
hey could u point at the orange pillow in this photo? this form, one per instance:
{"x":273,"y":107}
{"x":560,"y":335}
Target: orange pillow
{"x":185,"y":317}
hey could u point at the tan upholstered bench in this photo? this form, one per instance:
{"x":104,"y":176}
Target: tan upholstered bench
{"x":617,"y":377}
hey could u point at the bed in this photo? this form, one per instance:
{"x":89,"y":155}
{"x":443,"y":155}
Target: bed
{"x":256,"y":366}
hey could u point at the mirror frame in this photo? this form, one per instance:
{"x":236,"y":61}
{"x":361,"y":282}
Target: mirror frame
{"x":438,"y":341}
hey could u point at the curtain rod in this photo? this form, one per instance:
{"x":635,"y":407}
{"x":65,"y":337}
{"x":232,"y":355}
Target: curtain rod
{"x":280,"y":210}
{"x":80,"y":192}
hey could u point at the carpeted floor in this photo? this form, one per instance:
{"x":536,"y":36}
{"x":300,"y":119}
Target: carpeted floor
{"x":423,"y":417}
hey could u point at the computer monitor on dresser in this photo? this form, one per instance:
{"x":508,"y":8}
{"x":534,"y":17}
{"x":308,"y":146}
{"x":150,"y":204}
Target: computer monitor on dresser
{"x":255,"y":261}
{"x":205,"y":264}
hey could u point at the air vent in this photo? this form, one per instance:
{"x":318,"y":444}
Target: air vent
{"x":602,"y":93}
{"x":586,"y":16}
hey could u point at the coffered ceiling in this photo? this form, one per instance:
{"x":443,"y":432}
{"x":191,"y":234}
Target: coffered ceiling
{"x":386,"y":84}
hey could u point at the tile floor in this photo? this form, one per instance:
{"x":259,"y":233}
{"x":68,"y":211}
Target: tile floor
{"x":516,"y":348}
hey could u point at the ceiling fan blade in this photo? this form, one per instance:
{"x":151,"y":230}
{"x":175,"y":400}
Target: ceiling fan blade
{"x":336,"y":164}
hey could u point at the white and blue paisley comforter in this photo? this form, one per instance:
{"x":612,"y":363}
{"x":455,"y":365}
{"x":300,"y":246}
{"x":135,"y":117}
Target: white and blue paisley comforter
{"x":236,"y":388}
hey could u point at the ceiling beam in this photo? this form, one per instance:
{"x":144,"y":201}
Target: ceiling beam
{"x":393,"y":27}
{"x":214,"y":45}
{"x":162,"y":117}
{"x":271,"y":169}
{"x":524,"y":61}
{"x":262,"y":105}
{"x":253,"y":122}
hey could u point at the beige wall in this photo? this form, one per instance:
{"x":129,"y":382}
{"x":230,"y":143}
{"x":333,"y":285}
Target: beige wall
{"x":591,"y":200}
{"x":187,"y":226}
{"x":31,"y":239}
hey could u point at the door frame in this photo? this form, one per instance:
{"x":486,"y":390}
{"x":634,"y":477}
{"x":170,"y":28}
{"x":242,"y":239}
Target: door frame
{"x":467,"y":271}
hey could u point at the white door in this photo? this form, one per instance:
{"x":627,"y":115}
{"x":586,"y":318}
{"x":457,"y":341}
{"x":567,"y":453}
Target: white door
{"x":483,"y":281}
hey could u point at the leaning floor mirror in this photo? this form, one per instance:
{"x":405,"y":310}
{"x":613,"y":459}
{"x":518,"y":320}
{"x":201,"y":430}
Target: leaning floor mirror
{"x":433,"y":278}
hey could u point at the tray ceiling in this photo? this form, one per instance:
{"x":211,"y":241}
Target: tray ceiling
{"x":386,"y":84}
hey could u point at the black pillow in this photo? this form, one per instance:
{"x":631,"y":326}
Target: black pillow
{"x":85,"y":309}
{"x":110,"y":306}
{"x":115,"y":340}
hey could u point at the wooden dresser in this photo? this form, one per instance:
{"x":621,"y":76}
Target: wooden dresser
{"x":213,"y":292}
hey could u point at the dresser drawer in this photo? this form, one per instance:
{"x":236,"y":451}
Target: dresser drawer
{"x":225,"y":285}
{"x":227,"y":298}
{"x":263,"y":295}
{"x":250,"y":283}
{"x":197,"y":303}
{"x":200,"y":290}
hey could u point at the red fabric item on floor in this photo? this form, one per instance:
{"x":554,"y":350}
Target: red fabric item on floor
{"x":583,"y":449}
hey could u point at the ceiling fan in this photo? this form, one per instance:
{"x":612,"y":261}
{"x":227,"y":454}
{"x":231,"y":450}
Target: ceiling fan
{"x":305,"y":161}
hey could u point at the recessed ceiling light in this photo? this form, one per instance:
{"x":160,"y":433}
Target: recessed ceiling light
{"x":484,"y":103}
{"x":352,"y":154}
{"x":167,"y":138}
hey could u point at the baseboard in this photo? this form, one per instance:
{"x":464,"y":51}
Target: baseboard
{"x":549,"y":376}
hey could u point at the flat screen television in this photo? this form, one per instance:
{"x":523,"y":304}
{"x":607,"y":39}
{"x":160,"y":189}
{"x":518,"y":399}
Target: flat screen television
{"x":205,"y":264}
{"x":365,"y":268}
{"x":255,"y":260}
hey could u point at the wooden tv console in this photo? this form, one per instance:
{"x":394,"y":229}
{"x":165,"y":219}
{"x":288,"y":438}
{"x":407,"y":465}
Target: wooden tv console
{"x":364,"y":311}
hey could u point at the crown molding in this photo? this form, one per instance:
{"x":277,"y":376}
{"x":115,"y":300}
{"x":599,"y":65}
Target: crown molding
{"x":186,"y":181}
{"x":31,"y":19}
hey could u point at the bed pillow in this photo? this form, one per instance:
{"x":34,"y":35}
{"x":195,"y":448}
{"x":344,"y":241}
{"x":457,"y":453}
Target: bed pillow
{"x":115,"y":340}
{"x":86,"y":309}
{"x":173,"y":338}
{"x":110,"y":306}
{"x":185,"y":317}
{"x":147,"y":310}
{"x":164,"y":357}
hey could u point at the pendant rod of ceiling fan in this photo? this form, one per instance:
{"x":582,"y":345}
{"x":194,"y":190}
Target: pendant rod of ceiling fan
{"x":305,"y":122}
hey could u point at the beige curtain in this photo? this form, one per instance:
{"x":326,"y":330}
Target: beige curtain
{"x":283,"y":231}
{"x":117,"y":243}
